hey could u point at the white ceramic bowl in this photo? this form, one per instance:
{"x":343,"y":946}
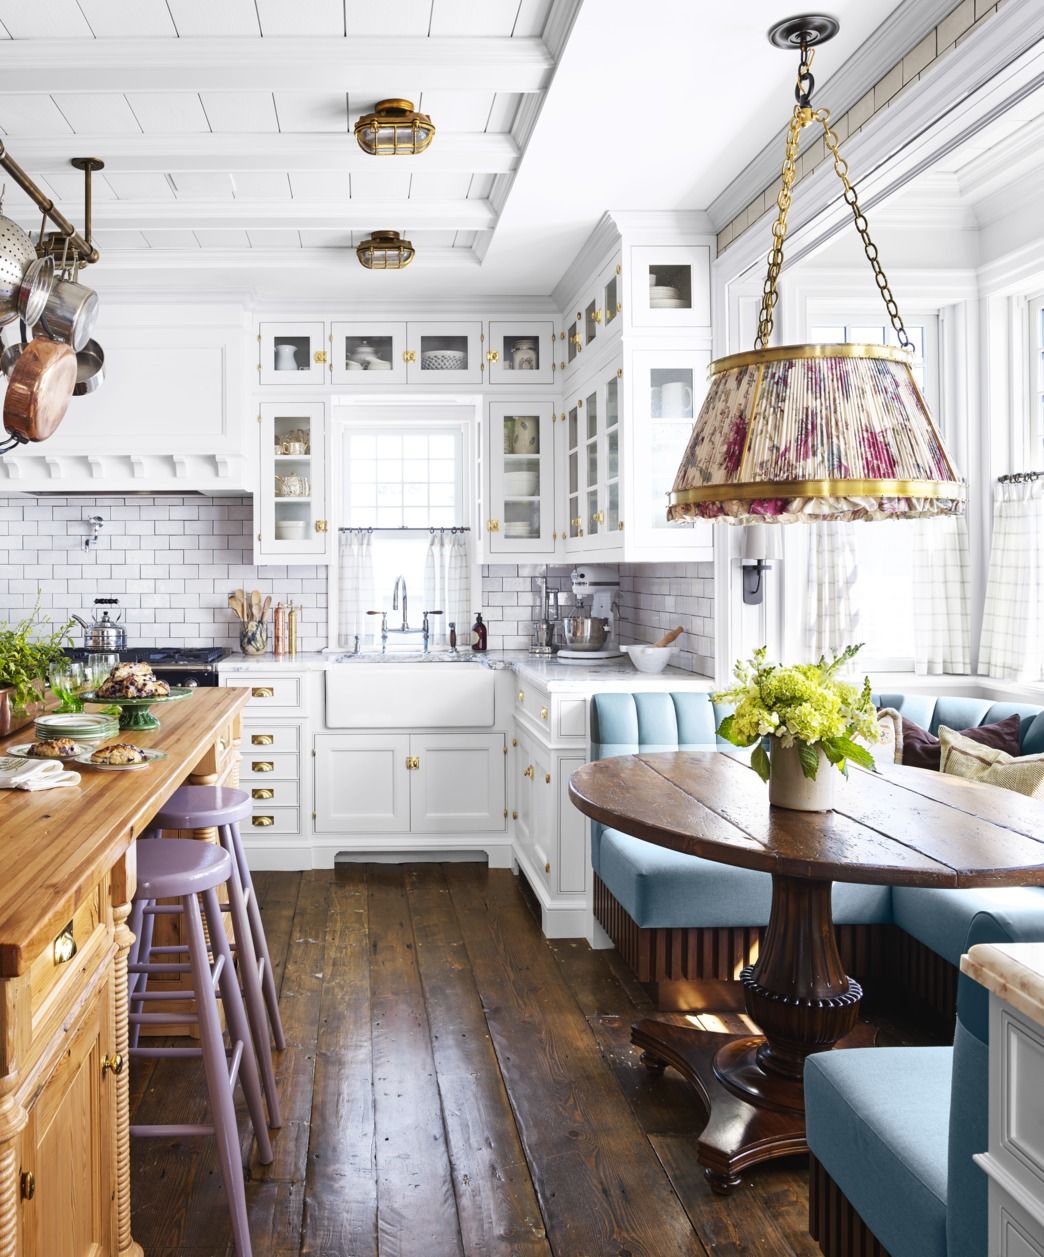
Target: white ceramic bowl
{"x":521,"y":484}
{"x":650,"y":658}
{"x":290,"y":529}
{"x":444,"y":360}
{"x":664,"y":293}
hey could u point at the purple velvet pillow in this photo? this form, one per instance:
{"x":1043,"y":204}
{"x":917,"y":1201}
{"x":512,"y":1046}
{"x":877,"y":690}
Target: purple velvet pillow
{"x":922,"y":749}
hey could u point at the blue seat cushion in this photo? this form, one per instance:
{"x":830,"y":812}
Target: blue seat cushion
{"x":664,"y":889}
{"x":877,"y":1120}
{"x":941,"y":918}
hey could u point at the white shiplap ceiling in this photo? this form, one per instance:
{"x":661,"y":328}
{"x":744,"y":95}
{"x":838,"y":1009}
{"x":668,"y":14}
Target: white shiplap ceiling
{"x":226,"y":129}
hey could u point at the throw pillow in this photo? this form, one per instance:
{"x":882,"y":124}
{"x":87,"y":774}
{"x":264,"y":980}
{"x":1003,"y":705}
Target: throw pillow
{"x":963,"y":757}
{"x":922,"y":749}
{"x":890,"y":749}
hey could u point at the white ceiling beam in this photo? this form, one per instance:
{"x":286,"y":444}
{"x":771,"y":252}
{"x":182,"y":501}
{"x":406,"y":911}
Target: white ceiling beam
{"x":463,"y":152}
{"x":317,"y":260}
{"x":366,"y":64}
{"x":258,"y":215}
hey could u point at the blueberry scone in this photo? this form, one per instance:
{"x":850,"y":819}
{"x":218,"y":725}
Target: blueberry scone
{"x":133,"y":680}
{"x":118,"y":753}
{"x":53,"y":748}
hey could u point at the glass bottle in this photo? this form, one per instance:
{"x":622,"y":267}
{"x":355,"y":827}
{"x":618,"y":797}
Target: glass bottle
{"x":478,"y":633}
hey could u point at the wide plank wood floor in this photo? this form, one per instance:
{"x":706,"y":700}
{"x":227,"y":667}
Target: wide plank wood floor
{"x":453,"y":1086}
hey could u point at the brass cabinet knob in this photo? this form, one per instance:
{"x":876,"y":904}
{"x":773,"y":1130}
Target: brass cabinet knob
{"x":262,"y":822}
{"x":261,"y":739}
{"x":598,"y":517}
{"x":547,"y":868}
{"x":514,"y":816}
{"x":547,"y":779}
{"x":514,"y":741}
{"x":112,"y":1064}
{"x":596,"y":316}
{"x":262,"y":792}
{"x":322,"y":525}
{"x":493,"y":356}
{"x":412,"y":761}
{"x":493,"y":525}
{"x":262,"y":766}
{"x":543,"y":713}
{"x":262,"y":691}
{"x":28,"y":1184}
{"x":409,"y":355}
{"x":528,"y":772}
{"x":319,"y":355}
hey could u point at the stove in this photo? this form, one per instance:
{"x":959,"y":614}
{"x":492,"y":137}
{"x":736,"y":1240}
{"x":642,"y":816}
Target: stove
{"x":178,"y":665}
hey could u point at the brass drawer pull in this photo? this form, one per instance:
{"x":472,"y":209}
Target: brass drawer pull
{"x":262,"y":691}
{"x":113,"y":1064}
{"x":28,"y":1184}
{"x":64,"y":946}
{"x":262,"y":766}
{"x":261,"y":739}
{"x":262,"y":792}
{"x":262,"y":821}
{"x":543,"y":713}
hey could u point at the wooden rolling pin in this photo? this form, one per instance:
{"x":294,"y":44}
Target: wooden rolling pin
{"x":667,"y":638}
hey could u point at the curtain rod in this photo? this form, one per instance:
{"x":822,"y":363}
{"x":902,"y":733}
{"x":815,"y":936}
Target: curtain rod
{"x":1017,"y":477}
{"x":406,"y":528}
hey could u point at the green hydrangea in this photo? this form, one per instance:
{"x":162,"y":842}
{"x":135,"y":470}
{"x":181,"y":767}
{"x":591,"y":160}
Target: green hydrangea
{"x":805,"y":705}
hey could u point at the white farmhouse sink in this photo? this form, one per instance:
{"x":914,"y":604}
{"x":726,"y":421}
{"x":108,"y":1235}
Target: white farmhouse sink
{"x":403,"y":696}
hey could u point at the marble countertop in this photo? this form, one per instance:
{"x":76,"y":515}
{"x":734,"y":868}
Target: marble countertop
{"x":1013,"y":971}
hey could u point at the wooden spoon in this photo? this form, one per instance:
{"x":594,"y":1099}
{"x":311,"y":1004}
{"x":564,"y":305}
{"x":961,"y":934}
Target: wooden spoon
{"x":233,"y":602}
{"x":264,"y":609}
{"x":667,"y":638}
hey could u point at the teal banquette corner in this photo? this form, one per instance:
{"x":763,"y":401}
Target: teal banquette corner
{"x":685,"y":925}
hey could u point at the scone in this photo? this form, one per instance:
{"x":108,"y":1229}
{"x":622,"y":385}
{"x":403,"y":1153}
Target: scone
{"x":53,"y":748}
{"x":133,"y":680}
{"x":118,"y":753}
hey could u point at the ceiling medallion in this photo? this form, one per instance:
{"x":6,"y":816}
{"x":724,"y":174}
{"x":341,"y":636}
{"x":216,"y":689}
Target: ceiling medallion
{"x":385,"y":251}
{"x":394,"y":128}
{"x":815,"y":432}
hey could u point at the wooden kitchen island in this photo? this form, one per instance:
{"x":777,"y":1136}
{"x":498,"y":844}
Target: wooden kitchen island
{"x":67,"y":877}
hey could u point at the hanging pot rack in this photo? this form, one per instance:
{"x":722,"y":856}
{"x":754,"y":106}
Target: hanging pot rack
{"x":65,"y":242}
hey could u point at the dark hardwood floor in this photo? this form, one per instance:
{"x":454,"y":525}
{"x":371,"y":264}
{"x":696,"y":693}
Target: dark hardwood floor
{"x":453,"y":1085}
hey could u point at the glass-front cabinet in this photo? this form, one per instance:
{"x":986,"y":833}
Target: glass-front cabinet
{"x":521,"y":492}
{"x":291,"y":353}
{"x":291,"y":507}
{"x":594,"y":316}
{"x":521,"y":353}
{"x":368,"y":353}
{"x":670,"y":286}
{"x":592,"y":443}
{"x":444,"y":353}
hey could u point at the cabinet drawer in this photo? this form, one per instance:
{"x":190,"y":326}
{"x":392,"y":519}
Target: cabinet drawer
{"x":256,"y":765}
{"x":273,"y":820}
{"x":269,"y":693}
{"x":263,"y":737}
{"x":535,"y":702}
{"x":56,"y":957}
{"x":274,"y":793}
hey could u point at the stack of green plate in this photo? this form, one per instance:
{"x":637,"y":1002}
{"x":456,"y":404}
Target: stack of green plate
{"x":81,"y":726}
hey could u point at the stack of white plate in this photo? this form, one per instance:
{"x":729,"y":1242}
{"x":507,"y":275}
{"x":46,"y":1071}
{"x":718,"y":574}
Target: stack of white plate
{"x":518,"y":529}
{"x":290,"y":529}
{"x":521,"y":484}
{"x":444,"y":360}
{"x":664,"y":298}
{"x":81,"y":726}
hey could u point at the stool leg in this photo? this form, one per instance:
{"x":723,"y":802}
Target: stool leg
{"x":142,"y":923}
{"x":238,"y":1026}
{"x":255,"y":1003}
{"x":234,"y":846}
{"x":215,"y":1067}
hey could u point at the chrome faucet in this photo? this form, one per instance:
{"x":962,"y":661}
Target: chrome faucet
{"x":400,"y":580}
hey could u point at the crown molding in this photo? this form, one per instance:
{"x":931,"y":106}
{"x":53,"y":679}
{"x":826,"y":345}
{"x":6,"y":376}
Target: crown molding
{"x":604,"y":238}
{"x":559,"y":26}
{"x":902,"y":31}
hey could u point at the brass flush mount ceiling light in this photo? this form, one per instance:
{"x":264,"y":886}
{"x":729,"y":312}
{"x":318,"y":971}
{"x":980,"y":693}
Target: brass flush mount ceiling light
{"x":385,"y":251}
{"x":394,"y":128}
{"x":815,"y":432}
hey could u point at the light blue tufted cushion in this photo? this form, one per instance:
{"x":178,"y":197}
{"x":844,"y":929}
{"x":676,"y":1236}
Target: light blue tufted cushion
{"x":941,"y":918}
{"x":930,"y":711}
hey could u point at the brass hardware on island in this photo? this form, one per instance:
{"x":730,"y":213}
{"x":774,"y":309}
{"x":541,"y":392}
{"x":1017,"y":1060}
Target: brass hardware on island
{"x":261,"y":691}
{"x":262,"y":766}
{"x":412,"y":762}
{"x":262,"y":822}
{"x":64,"y":946}
{"x":262,"y":792}
{"x":112,"y":1064}
{"x":28,"y":1184}
{"x":261,"y":739}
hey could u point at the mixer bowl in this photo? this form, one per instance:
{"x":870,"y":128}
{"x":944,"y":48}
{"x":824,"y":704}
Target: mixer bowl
{"x":585,"y":632}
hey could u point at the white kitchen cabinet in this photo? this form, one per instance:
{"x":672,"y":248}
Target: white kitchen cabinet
{"x":366,"y":353}
{"x":445,"y":353}
{"x":457,"y":783}
{"x":520,"y":465}
{"x":521,"y":353}
{"x":670,"y":286}
{"x":593,"y":319}
{"x":292,"y":493}
{"x":291,"y":353}
{"x":593,"y":467}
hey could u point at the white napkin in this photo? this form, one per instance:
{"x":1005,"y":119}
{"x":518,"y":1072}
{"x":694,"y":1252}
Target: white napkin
{"x":39,"y":774}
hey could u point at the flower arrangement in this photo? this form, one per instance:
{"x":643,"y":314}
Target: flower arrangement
{"x":29,"y":649}
{"x":806,"y":706}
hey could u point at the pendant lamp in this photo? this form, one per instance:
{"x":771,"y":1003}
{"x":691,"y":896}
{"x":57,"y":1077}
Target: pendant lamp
{"x":815,"y":432}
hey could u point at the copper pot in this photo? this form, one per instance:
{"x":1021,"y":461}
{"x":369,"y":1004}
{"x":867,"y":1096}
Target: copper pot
{"x":39,"y":387}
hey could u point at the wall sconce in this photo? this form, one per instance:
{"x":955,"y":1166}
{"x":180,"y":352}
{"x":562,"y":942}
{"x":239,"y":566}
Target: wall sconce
{"x":761,"y":546}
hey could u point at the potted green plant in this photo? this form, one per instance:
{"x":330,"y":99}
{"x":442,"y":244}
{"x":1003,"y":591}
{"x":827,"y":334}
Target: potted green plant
{"x":29,"y":650}
{"x":810,"y":720}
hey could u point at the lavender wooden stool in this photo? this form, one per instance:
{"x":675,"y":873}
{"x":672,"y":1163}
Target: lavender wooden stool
{"x":188,"y":871}
{"x":221,"y":808}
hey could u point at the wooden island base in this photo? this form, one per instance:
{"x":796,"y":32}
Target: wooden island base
{"x":65,"y":895}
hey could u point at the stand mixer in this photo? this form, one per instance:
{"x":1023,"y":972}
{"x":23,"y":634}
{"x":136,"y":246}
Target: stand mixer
{"x":590,"y":634}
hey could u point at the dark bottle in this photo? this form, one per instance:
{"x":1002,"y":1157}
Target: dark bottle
{"x":453,"y":635}
{"x":478,"y":633}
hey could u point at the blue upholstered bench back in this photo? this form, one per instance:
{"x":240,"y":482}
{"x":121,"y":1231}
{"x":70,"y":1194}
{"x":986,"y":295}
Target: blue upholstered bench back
{"x":930,"y":711}
{"x":624,"y":724}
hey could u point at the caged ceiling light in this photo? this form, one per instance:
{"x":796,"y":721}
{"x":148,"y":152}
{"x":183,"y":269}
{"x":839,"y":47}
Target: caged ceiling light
{"x":393,"y":129}
{"x":385,"y":251}
{"x":815,"y":432}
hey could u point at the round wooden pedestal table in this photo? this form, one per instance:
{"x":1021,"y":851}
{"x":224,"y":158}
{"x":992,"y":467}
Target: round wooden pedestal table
{"x":905,"y":827}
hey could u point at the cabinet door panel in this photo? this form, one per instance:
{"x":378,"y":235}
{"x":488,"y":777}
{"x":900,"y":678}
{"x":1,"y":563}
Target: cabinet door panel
{"x":458,"y":786}
{"x":521,"y":353}
{"x":670,"y":286}
{"x":445,"y":353}
{"x":292,"y":492}
{"x":366,"y":354}
{"x":291,"y":353}
{"x":362,"y":783}
{"x":572,"y":834}
{"x":521,"y":478}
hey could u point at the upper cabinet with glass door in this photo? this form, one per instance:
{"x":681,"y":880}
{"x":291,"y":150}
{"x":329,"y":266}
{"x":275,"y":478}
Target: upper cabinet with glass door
{"x":368,"y":353}
{"x":291,"y":503}
{"x":592,"y":491}
{"x":594,"y":318}
{"x":521,"y":353}
{"x":670,"y":286}
{"x":520,"y":462}
{"x":291,"y":353}
{"x":444,"y":353}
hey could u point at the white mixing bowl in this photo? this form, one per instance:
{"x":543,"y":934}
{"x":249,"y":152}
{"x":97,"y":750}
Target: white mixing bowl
{"x":650,"y":658}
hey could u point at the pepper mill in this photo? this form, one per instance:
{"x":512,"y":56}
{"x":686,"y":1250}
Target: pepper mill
{"x":279,"y":630}
{"x":291,"y":629}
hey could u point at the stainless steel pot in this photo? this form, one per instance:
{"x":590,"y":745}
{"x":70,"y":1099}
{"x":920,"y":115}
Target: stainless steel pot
{"x":17,"y":252}
{"x":34,"y":289}
{"x":90,"y":368}
{"x":70,"y":314}
{"x":585,"y":632}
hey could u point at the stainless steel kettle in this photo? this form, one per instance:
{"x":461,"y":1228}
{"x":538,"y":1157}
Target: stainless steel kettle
{"x":103,"y":633}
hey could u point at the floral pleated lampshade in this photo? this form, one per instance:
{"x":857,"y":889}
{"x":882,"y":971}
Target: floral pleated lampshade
{"x":815,"y":432}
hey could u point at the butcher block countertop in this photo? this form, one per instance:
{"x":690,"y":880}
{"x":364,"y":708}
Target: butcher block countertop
{"x":55,"y":844}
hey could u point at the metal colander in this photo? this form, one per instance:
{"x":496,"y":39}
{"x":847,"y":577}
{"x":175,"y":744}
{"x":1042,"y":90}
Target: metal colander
{"x":16,"y":253}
